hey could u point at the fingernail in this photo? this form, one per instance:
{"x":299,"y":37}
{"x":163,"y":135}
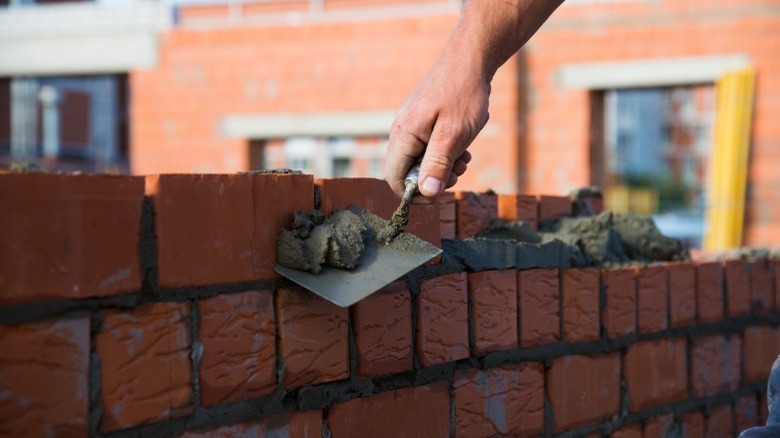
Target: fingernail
{"x":432,"y":185}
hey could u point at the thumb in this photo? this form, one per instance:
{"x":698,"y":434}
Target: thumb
{"x":440,"y":155}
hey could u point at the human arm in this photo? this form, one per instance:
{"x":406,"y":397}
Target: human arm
{"x":449,"y":107}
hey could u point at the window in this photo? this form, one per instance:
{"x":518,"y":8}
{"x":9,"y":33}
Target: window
{"x":656,"y":144}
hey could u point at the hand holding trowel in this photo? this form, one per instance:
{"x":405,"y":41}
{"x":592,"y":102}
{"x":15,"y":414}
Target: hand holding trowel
{"x":353,"y":253}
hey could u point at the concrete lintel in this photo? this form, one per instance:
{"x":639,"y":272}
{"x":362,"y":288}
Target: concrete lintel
{"x":649,"y":72}
{"x":78,"y":55}
{"x":319,"y":124}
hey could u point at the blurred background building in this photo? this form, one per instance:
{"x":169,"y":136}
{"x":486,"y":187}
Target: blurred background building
{"x":615,"y":93}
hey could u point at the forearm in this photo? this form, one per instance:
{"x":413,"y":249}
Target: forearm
{"x":491,"y":31}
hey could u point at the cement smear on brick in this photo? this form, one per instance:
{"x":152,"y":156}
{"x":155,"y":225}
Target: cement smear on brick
{"x":397,"y":223}
{"x":338,"y":240}
{"x":608,"y":239}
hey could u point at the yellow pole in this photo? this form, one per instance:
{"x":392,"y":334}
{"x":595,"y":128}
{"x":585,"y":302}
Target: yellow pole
{"x":729,"y":160}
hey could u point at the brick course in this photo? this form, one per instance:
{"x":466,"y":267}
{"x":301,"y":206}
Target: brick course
{"x":44,"y":378}
{"x":442,"y":332}
{"x":239,"y":347}
{"x":493,"y":296}
{"x":539,"y":306}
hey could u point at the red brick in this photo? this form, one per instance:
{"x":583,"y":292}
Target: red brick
{"x":620,"y":310}
{"x":583,"y":390}
{"x":762,"y":300}
{"x":554,"y":207}
{"x":709,"y":292}
{"x":67,"y":236}
{"x":720,"y":422}
{"x":44,"y":371}
{"x":693,"y":425}
{"x":746,"y":412}
{"x":418,"y":411}
{"x":295,"y":425}
{"x":239,"y":347}
{"x":660,"y":426}
{"x":524,"y":208}
{"x":656,"y":373}
{"x":442,"y":330}
{"x":382,"y":324}
{"x":763,"y":408}
{"x":651,"y":297}
{"x":447,"y":215}
{"x":313,"y":338}
{"x":682,"y":294}
{"x":762,"y":346}
{"x":505,"y":401}
{"x":580,"y":305}
{"x":737,"y":288}
{"x":474,"y":212}
{"x":715,"y":365}
{"x":138,"y":350}
{"x":494,"y":310}
{"x":214,"y":229}
{"x":538,"y":294}
{"x":376,"y":196}
{"x":630,"y":431}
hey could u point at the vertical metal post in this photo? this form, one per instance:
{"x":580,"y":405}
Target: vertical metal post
{"x":50,"y":101}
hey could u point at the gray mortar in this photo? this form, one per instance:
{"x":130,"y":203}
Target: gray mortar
{"x":281,"y":171}
{"x":315,"y":241}
{"x":608,"y":239}
{"x":338,"y":240}
{"x":397,"y":223}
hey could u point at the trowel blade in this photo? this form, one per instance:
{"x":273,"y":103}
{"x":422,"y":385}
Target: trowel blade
{"x":379,"y":267}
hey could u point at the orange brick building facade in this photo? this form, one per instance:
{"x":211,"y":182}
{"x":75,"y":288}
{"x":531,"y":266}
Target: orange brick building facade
{"x":367,"y":56}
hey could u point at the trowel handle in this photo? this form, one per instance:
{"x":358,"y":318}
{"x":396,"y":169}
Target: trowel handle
{"x":411,"y":181}
{"x":413,"y":176}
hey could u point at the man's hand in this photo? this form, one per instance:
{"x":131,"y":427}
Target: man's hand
{"x":450,"y":106}
{"x":436,"y":124}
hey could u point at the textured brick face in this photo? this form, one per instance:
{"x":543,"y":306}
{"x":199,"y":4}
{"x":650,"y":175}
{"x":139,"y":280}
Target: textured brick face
{"x":67,"y":236}
{"x":422,"y":411}
{"x":447,"y":215}
{"x":524,"y":208}
{"x":719,"y":423}
{"x":236,"y":219}
{"x":539,"y":306}
{"x":709,"y":292}
{"x":554,"y":207}
{"x":145,"y":365}
{"x":746,"y":412}
{"x":583,"y":390}
{"x":620,"y":311}
{"x":474,"y":212}
{"x":715,"y":365}
{"x":505,"y":401}
{"x":297,"y":425}
{"x":693,"y":425}
{"x":656,"y":373}
{"x":494,"y":310}
{"x":762,"y":346}
{"x":660,"y":426}
{"x":313,"y":338}
{"x":652,"y":293}
{"x":580,"y":305}
{"x":682,"y":294}
{"x":442,"y":330}
{"x":382,"y":325}
{"x":630,"y":431}
{"x":737,"y":288}
{"x":43,"y":379}
{"x":239,"y":347}
{"x":761,"y":281}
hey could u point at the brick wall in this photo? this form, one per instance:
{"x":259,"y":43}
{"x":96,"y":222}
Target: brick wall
{"x":134,"y":306}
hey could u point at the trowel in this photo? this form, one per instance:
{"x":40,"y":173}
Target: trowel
{"x":381,"y":264}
